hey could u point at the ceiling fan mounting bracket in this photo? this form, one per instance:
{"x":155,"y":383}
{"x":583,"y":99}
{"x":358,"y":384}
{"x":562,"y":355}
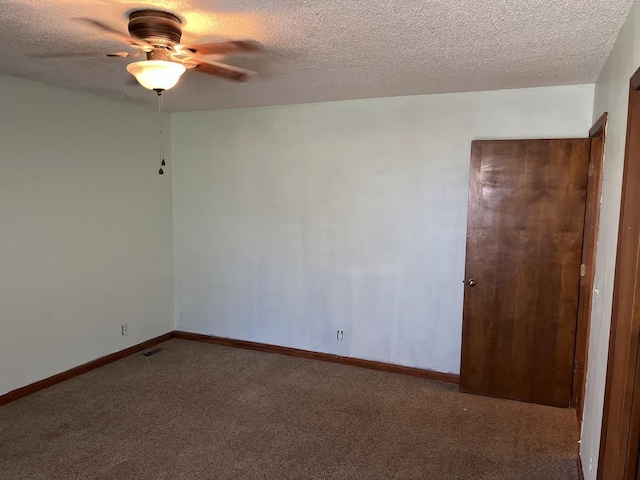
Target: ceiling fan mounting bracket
{"x":157,"y":27}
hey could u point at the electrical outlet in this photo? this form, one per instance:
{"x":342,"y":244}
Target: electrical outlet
{"x":591,"y":464}
{"x":339,"y":335}
{"x":123,"y":329}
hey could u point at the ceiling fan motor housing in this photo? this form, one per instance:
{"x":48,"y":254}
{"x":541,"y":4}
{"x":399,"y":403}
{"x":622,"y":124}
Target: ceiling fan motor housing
{"x":161,"y":29}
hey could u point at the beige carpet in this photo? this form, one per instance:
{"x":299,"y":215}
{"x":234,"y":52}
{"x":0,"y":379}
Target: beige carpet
{"x":200,"y":411}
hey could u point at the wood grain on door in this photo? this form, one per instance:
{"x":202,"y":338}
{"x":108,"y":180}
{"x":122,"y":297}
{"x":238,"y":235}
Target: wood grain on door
{"x":524,"y":243}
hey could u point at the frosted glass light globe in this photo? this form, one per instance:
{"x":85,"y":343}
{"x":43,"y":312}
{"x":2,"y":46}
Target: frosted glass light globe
{"x":156,"y":74}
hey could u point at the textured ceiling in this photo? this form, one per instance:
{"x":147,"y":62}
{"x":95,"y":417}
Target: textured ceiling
{"x":327,"y":50}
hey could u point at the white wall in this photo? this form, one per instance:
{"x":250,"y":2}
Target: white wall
{"x":293,"y":222}
{"x":85,"y":230}
{"x":611,"y":95}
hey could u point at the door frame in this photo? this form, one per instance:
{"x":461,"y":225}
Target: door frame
{"x":618,"y":457}
{"x":597,"y":134}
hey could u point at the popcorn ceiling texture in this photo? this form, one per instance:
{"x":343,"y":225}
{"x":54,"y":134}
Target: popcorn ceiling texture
{"x":327,"y":50}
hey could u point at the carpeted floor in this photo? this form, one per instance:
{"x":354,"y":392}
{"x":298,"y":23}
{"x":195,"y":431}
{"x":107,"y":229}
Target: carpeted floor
{"x":200,"y":411}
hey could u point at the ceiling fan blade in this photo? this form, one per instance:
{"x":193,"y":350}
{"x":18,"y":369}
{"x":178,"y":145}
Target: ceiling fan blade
{"x":232,"y":46}
{"x":79,"y":55}
{"x":122,"y":37}
{"x":124,"y":54}
{"x":83,"y":55}
{"x":222,"y":70}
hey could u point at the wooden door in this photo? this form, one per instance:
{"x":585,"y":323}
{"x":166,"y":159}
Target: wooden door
{"x":524,"y":242}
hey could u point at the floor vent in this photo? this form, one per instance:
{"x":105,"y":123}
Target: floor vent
{"x":151,"y":352}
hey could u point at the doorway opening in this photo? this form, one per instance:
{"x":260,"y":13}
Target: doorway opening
{"x":531,"y":240}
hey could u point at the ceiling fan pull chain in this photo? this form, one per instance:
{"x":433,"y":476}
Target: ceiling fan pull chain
{"x":161,"y":124}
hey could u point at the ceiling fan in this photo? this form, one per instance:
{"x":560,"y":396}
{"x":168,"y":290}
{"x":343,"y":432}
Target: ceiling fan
{"x":156,"y":34}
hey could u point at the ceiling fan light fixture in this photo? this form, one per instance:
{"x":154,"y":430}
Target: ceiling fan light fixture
{"x":156,"y":75}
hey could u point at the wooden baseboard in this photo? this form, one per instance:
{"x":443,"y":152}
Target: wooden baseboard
{"x":74,"y":372}
{"x":263,"y":347}
{"x":326,"y":357}
{"x":580,"y":471}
